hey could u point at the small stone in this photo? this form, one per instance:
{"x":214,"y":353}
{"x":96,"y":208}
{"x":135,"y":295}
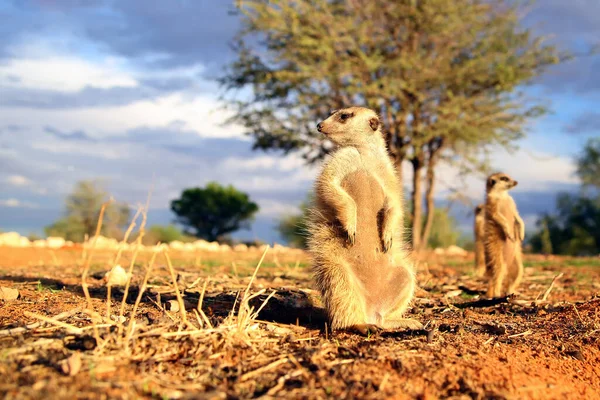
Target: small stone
{"x":8,"y":294}
{"x":72,"y":365}
{"x":117,"y":276}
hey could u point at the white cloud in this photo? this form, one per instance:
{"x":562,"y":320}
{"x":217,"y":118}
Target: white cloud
{"x":107,"y":152}
{"x":275,"y":208}
{"x":292,"y":162}
{"x":202,"y":114}
{"x":65,"y":74}
{"x":535,"y":171}
{"x":18,"y":180}
{"x":13,"y":203}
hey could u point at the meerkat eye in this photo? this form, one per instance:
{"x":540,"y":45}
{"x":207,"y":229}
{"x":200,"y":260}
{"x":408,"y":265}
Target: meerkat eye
{"x":505,"y":179}
{"x":345,"y":116}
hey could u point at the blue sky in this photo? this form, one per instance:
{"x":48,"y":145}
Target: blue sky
{"x":124,"y":91}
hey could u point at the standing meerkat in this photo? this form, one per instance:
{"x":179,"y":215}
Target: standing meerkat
{"x":360,"y":265}
{"x":479,"y":231}
{"x":504,"y":232}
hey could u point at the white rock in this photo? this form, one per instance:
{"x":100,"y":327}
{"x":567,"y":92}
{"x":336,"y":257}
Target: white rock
{"x":225,"y":247}
{"x":456,"y":251}
{"x":240,"y":247}
{"x":176,"y":245}
{"x":117,"y":276}
{"x":55,"y":242}
{"x":12,"y":239}
{"x":213,"y":246}
{"x":189,"y":247}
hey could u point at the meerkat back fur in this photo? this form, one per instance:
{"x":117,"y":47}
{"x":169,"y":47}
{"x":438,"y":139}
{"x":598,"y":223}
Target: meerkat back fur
{"x":479,"y":233}
{"x":360,"y":264}
{"x":504,"y":232}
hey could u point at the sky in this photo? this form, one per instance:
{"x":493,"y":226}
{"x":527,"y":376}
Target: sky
{"x":124,"y":91}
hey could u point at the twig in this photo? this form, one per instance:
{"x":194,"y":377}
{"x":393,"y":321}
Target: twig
{"x":578,"y":315}
{"x":140,"y":294}
{"x":54,"y":321}
{"x":490,"y":340}
{"x":484,"y":302}
{"x":200,"y":302}
{"x":281,"y":382}
{"x":526,"y":333}
{"x":117,"y":258}
{"x":557,"y":277}
{"x":86,"y":268}
{"x":384,"y":381}
{"x":35,"y":325}
{"x":260,"y":370}
{"x":176,"y":287}
{"x":255,"y":272}
{"x":138,"y":245}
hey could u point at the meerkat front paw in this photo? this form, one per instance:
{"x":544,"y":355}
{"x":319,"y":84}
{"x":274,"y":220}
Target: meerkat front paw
{"x":350,"y":227}
{"x":509,"y":236}
{"x":521,"y":232}
{"x":387,"y":240}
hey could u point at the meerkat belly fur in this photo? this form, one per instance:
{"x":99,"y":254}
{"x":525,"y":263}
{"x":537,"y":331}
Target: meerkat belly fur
{"x":479,"y":231}
{"x":360,"y":263}
{"x":504,"y":233}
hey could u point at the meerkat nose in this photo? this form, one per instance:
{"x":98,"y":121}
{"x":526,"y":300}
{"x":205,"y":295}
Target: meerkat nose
{"x":319,"y":127}
{"x":515,"y":183}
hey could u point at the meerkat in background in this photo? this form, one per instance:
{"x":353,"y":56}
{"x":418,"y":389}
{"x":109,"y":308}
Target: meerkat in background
{"x":479,"y":231}
{"x":360,"y":265}
{"x":504,"y":232}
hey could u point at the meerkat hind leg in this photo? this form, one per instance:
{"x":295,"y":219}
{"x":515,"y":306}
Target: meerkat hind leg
{"x":497,"y":280}
{"x":364,"y":329}
{"x":394,"y":319}
{"x":402,"y":323}
{"x":518,"y":265}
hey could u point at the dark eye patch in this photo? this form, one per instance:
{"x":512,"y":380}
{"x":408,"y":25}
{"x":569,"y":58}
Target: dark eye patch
{"x":345,"y":116}
{"x":505,"y":179}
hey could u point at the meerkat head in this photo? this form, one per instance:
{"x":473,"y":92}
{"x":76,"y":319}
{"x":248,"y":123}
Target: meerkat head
{"x":499,"y":182}
{"x":351,"y":126}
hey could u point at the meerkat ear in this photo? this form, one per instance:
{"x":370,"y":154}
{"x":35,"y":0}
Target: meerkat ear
{"x":374,"y":123}
{"x":492,"y":182}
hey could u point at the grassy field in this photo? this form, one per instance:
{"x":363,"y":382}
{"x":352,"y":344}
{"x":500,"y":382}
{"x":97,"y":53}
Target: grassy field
{"x":251,"y":332}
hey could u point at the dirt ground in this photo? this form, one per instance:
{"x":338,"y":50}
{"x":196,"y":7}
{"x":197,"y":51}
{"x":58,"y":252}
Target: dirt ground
{"x":267,"y":337}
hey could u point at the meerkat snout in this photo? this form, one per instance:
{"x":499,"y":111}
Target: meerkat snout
{"x":319,"y":126}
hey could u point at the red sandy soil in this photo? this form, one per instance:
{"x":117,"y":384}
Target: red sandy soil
{"x":469,"y":350}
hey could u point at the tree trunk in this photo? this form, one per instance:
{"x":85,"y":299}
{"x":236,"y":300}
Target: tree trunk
{"x":430,"y":206}
{"x":417,"y":202}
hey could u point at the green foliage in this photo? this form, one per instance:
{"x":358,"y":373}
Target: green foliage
{"x":545,"y":241}
{"x":444,"y":231}
{"x":293,"y":227}
{"x":588,"y":163}
{"x":573,"y":230}
{"x":82,"y":211}
{"x":33,"y":236}
{"x":165,"y":234}
{"x":443,"y":76}
{"x":214,"y":211}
